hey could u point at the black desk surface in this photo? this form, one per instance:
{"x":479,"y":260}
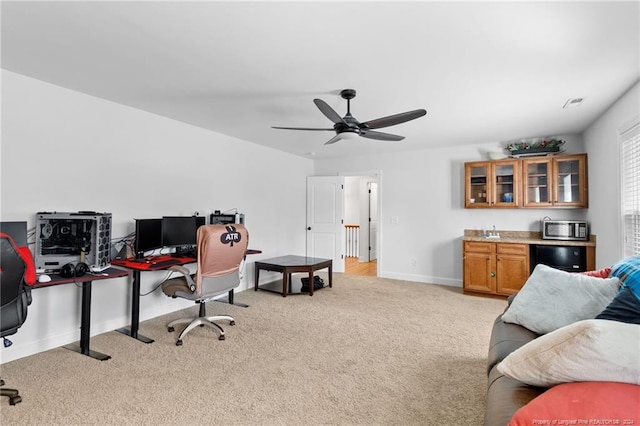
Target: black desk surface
{"x":90,"y":276}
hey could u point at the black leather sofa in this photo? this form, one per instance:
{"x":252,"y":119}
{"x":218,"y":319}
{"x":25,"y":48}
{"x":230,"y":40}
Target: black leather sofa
{"x":504,"y":394}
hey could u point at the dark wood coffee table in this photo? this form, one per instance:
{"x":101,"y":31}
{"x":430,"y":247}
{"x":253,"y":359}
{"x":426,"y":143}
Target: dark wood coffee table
{"x":290,"y":264}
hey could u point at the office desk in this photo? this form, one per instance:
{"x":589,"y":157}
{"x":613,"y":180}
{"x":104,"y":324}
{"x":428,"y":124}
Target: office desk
{"x":159,"y":264}
{"x":289,"y":264}
{"x":85,"y":322}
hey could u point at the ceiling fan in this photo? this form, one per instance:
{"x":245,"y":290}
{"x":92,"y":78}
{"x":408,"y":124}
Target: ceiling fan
{"x":348,"y":127}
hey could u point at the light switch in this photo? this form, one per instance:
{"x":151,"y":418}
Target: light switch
{"x":395,"y":220}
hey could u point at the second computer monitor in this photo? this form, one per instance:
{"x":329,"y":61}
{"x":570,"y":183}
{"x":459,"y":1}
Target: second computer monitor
{"x":180,"y":231}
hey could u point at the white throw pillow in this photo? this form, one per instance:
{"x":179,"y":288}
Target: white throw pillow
{"x":552,"y":298}
{"x":588,"y":350}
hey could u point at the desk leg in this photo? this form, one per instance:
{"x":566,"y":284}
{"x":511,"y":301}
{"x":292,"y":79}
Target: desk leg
{"x":311,"y":283}
{"x":135,"y":312}
{"x":230,"y":301}
{"x":85,"y":327}
{"x":330,"y":275}
{"x":285,"y":284}
{"x":256,"y":278}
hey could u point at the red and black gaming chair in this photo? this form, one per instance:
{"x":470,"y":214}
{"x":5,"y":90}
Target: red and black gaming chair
{"x":17,"y":273}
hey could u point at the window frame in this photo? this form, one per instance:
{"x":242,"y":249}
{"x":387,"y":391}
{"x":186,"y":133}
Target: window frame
{"x":629,"y":156}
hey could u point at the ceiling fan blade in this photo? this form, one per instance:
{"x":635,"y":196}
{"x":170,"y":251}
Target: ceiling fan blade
{"x":299,"y":128}
{"x":370,"y":134}
{"x":334,"y":139}
{"x":392,"y":120}
{"x":328,"y":111}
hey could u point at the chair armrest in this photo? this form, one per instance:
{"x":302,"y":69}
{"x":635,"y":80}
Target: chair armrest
{"x":186,"y":274}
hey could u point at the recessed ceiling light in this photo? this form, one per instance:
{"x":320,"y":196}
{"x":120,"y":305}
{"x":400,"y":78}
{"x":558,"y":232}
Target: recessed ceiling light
{"x":573,"y":102}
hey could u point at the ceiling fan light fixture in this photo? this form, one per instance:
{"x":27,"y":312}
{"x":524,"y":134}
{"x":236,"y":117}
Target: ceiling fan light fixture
{"x":349,"y":135}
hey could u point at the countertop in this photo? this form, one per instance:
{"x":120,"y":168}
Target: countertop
{"x":523,"y":237}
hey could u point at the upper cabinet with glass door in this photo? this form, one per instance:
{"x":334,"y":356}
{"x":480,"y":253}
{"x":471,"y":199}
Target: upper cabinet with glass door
{"x":492,"y":184}
{"x":558,"y":181}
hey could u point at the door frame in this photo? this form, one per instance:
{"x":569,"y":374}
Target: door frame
{"x":373,"y":250}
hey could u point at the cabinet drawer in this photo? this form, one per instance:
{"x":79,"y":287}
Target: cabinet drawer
{"x":521,"y":249}
{"x":477,"y":247}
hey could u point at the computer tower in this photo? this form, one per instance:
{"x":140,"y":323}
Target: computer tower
{"x":63,"y":238}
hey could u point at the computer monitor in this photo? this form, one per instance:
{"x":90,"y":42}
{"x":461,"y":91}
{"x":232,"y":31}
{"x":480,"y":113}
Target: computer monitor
{"x":148,"y":235}
{"x":180,"y":231}
{"x":17,"y":230}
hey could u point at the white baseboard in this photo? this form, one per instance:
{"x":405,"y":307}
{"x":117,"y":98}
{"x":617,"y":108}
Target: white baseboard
{"x":422,"y":279}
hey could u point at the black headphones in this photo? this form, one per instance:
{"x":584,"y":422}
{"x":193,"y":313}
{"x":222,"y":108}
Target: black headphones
{"x":70,"y":270}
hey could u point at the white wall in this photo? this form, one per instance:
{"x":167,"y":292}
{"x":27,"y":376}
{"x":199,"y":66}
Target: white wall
{"x":602,"y":144}
{"x":424,"y":190}
{"x":65,"y":151}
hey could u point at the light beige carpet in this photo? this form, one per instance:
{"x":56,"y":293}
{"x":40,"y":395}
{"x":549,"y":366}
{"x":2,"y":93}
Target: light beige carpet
{"x":369,"y":351}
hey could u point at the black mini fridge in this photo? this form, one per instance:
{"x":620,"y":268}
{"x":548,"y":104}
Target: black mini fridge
{"x":566,"y":258}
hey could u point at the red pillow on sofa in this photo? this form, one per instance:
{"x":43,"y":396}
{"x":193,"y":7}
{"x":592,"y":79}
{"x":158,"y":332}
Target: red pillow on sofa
{"x":600,"y":273}
{"x":583,"y":403}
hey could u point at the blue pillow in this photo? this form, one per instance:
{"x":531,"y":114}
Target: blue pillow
{"x":625,"y":307}
{"x":628,"y":272}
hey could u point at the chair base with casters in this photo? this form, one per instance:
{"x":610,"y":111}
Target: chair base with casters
{"x":13,"y":394}
{"x":201,"y":320}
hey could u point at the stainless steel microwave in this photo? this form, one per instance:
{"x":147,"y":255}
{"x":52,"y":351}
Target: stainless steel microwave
{"x":572,"y":230}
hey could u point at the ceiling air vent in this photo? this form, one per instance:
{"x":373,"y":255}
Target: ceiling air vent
{"x":573,"y":102}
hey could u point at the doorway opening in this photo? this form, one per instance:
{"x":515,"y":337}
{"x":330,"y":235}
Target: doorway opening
{"x":361,"y":225}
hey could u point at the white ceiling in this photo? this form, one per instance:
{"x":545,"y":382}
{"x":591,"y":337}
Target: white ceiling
{"x":484,"y":71}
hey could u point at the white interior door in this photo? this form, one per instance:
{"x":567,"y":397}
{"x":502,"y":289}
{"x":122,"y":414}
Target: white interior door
{"x":373,"y":221}
{"x":325,"y":212}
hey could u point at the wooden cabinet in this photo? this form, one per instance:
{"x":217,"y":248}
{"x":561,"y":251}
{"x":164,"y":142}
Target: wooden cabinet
{"x":477,"y":264}
{"x":512,"y":267}
{"x":492,"y":183}
{"x":495,"y":268}
{"x":536,"y":182}
{"x":559,"y":181}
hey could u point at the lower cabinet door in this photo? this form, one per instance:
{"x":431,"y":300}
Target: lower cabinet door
{"x":512,"y":267}
{"x":478,"y":272}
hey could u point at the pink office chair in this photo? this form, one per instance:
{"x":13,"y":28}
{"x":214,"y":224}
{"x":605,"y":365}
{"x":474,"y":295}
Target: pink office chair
{"x":221,"y":252}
